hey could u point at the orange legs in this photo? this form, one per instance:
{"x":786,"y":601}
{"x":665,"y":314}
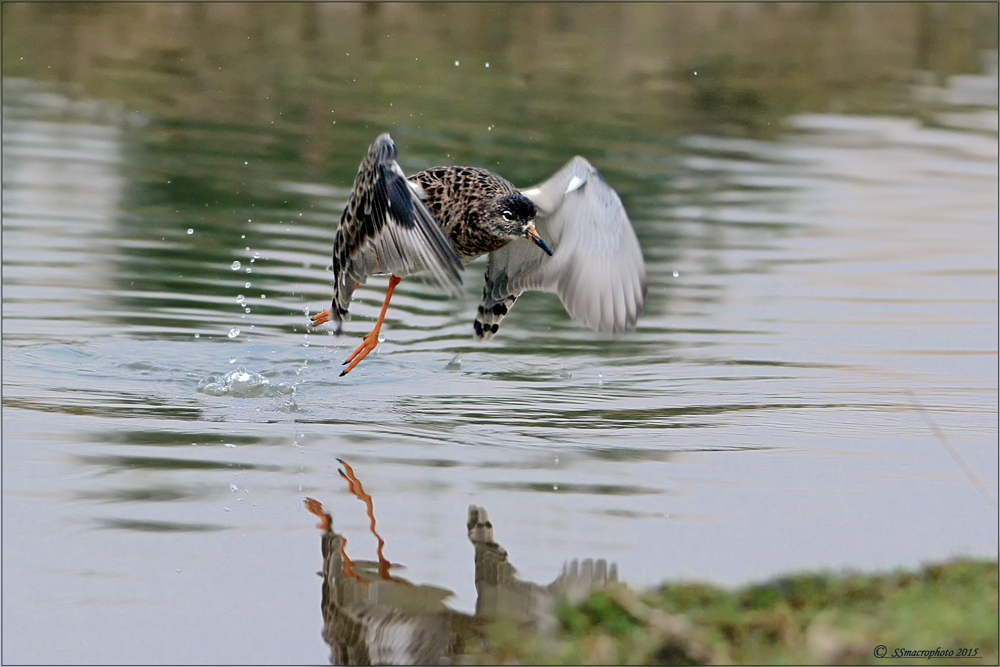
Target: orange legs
{"x":324,"y":317}
{"x":371,"y":339}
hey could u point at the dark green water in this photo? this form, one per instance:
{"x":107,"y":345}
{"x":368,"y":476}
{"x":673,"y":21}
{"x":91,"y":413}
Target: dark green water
{"x":815,"y":191}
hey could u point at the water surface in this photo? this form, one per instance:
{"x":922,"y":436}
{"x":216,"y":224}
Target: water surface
{"x":822,"y":268}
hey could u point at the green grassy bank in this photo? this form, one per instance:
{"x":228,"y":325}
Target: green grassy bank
{"x":817,"y":618}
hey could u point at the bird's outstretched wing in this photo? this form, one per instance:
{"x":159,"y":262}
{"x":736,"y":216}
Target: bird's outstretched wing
{"x":596,"y":266}
{"x":385,"y":229}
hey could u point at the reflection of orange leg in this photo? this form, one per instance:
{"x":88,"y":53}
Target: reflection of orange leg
{"x":354,"y":485}
{"x":326,"y":521}
{"x":326,"y":525}
{"x":348,"y":563}
{"x":371,"y":339}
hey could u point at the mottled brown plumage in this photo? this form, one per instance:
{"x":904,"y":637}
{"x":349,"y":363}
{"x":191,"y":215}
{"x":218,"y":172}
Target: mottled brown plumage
{"x":470,"y":205}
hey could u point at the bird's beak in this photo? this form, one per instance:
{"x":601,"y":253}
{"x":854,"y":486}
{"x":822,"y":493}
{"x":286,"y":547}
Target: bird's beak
{"x":532,"y":234}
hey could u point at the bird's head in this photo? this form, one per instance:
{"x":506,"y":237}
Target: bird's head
{"x":514,"y":216}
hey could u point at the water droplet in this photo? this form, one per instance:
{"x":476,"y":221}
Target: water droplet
{"x":677,"y":274}
{"x":178,"y":570}
{"x":247,"y":285}
{"x":240,"y":298}
{"x":233,"y":487}
{"x":555,"y":487}
{"x":456,"y":63}
{"x":232,"y":360}
{"x":263,"y":296}
{"x":487,"y":65}
{"x":226,"y":509}
{"x":247,"y":309}
{"x":197,"y":335}
{"x":236,"y":266}
{"x":234,"y":332}
{"x":229,"y":444}
{"x":256,"y":255}
{"x":190,"y":231}
{"x":249,"y":270}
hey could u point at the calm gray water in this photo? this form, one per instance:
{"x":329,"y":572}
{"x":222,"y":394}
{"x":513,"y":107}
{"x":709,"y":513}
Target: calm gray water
{"x":821,"y":328}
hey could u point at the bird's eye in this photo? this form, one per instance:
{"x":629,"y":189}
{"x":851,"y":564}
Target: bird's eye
{"x":508,"y":216}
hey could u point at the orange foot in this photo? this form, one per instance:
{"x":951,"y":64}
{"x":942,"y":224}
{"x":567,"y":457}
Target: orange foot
{"x":371,"y":340}
{"x":321,"y":318}
{"x":369,"y":344}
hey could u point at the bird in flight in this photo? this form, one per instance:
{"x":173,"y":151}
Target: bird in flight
{"x":569,"y":235}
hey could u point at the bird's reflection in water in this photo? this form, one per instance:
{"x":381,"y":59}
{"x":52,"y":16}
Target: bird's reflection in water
{"x":373,"y":617}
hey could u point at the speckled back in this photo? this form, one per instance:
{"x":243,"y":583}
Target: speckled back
{"x":460,"y":198}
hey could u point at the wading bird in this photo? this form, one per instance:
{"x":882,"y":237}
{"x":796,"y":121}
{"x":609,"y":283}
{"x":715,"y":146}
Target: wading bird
{"x":569,"y":235}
